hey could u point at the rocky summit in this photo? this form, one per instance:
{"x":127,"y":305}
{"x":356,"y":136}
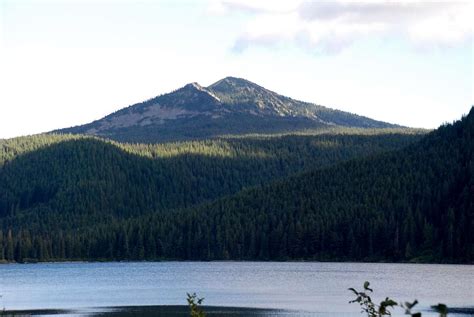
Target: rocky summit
{"x":229,"y":106}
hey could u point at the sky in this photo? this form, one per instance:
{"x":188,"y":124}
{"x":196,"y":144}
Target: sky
{"x":65,"y":63}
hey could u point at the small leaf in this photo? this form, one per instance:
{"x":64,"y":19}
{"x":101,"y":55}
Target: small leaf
{"x":388,"y":302}
{"x":366,"y":286}
{"x":353,"y":290}
{"x":411,"y":305}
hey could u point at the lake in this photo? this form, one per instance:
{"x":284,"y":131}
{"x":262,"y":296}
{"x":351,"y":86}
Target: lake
{"x":289,"y":289}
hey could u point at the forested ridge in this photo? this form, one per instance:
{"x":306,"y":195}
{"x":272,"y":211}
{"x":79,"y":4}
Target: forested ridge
{"x":412,"y":204}
{"x":390,"y":197}
{"x":84,"y":175}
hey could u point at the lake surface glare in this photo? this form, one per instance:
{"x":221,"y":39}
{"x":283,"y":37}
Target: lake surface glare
{"x":295,"y":289}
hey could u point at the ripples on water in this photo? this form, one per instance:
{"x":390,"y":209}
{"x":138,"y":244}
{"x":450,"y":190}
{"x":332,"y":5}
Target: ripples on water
{"x":313,"y":289}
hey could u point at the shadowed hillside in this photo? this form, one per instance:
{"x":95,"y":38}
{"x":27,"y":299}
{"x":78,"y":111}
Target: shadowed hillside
{"x":54,"y":182}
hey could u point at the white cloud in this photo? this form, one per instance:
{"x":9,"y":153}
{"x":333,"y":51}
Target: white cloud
{"x":331,"y":26}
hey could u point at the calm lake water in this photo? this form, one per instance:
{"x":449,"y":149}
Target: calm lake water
{"x":305,"y":289}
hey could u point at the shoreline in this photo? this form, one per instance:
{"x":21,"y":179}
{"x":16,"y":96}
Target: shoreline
{"x":3,"y":262}
{"x":156,"y":310}
{"x":183,"y":310}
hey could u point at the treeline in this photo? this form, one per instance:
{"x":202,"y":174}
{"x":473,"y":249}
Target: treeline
{"x":204,"y":127}
{"x":415,"y":203}
{"x":360,"y":140}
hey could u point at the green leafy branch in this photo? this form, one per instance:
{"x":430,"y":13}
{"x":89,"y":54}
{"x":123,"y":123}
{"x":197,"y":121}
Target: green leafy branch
{"x":194,"y":304}
{"x":383,"y":309}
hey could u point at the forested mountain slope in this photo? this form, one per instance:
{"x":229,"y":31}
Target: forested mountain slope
{"x":229,"y":106}
{"x":70,"y":173}
{"x":414,"y":203}
{"x":65,"y":185}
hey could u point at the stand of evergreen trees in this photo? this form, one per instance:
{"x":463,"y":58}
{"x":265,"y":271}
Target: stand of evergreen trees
{"x":326,"y":197}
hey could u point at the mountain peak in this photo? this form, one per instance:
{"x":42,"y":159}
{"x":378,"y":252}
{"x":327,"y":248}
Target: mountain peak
{"x":236,"y":80}
{"x":194,"y":85}
{"x":229,"y":84}
{"x":231,"y":105}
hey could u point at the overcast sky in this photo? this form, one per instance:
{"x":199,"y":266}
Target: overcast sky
{"x":64,"y":63}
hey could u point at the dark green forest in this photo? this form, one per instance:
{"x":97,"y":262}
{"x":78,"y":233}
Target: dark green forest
{"x":336,"y":196}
